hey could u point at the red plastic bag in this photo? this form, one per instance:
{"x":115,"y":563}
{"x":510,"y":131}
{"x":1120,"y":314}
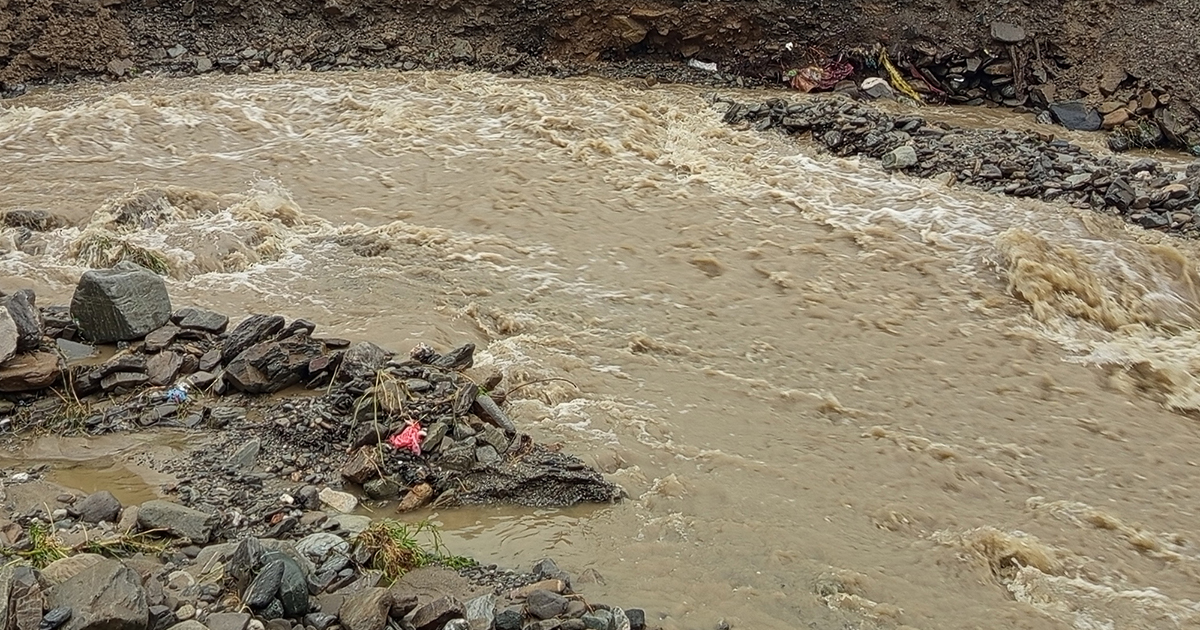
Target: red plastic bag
{"x":410,"y":438}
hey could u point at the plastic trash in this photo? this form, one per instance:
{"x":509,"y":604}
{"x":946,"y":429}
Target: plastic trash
{"x":410,"y":438}
{"x":178,"y":394}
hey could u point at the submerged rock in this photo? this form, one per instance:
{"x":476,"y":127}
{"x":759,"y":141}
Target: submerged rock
{"x":120,"y":304}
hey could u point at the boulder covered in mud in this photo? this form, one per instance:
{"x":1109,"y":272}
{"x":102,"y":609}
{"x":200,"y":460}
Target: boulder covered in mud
{"x":120,"y":304}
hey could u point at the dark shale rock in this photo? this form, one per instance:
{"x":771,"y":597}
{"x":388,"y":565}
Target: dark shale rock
{"x":249,"y":332}
{"x":120,"y":304}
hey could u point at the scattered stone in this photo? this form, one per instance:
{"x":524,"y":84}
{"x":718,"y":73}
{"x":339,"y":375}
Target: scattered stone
{"x":227,"y":621}
{"x":363,"y":466}
{"x":341,"y":501}
{"x":55,"y":618}
{"x":352,"y":524}
{"x":203,"y":64}
{"x":512,"y":618}
{"x":181,"y":521}
{"x":160,"y":338}
{"x":99,"y":507}
{"x":1076,"y":116}
{"x":317,"y":547}
{"x":162,"y":617}
{"x":120,"y":304}
{"x":418,"y":496}
{"x":1115,"y":118}
{"x":552,"y":585}
{"x":545,"y":604}
{"x":637,"y":618}
{"x":382,"y":489}
{"x":23,"y":310}
{"x":901,"y":157}
{"x":271,"y":366}
{"x":437,"y":613}
{"x":877,"y":88}
{"x":28,"y":372}
{"x":249,"y":332}
{"x":190,"y":624}
{"x":480,"y":612}
{"x":367,"y":609}
{"x":1007,"y":33}
{"x":247,"y":455}
{"x":263,"y":589}
{"x":163,"y":368}
{"x":105,"y":596}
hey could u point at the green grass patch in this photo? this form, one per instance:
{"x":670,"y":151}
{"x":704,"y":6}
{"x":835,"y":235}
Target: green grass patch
{"x":397,"y":548}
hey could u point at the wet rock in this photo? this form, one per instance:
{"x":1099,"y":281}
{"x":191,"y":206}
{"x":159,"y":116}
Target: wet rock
{"x":637,"y":618}
{"x":9,"y":336}
{"x":459,"y":358}
{"x":55,"y":618}
{"x":382,"y":489}
{"x":23,"y":310}
{"x":163,"y":368}
{"x":457,"y":624}
{"x":190,"y":624}
{"x":317,"y":547}
{"x":352,"y":524}
{"x":265,"y":587}
{"x":363,"y":466}
{"x":73,"y":351}
{"x":341,"y":501}
{"x":487,"y":410}
{"x":418,"y":496}
{"x":160,"y":338}
{"x":1115,"y":118}
{"x":1076,"y":116}
{"x":876,"y":88}
{"x":363,"y":360}
{"x":105,"y":596}
{"x":181,"y":521}
{"x":162,"y":617}
{"x":900,"y":158}
{"x":435,"y":614}
{"x":120,"y":304}
{"x":249,"y":332}
{"x":227,"y":621}
{"x":210,"y":360}
{"x":99,"y":506}
{"x":545,"y":604}
{"x":28,"y":372}
{"x":553,"y":585}
{"x":270,"y":366}
{"x":480,"y":612}
{"x":534,"y":477}
{"x":487,"y":455}
{"x":64,"y":569}
{"x":293,"y":587}
{"x":246,"y":456}
{"x":368,"y":609}
{"x":512,"y":618}
{"x":1007,"y":33}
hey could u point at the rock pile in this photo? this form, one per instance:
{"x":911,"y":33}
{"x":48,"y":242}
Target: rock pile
{"x":327,"y":580}
{"x":1006,"y":162}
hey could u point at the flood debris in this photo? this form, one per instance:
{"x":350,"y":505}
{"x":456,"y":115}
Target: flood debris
{"x":262,"y":525}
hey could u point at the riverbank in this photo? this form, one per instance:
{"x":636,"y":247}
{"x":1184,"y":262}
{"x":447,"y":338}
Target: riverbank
{"x":1129,"y":69}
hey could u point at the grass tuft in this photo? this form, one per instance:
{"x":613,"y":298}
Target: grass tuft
{"x":45,"y":547}
{"x":397,"y":548}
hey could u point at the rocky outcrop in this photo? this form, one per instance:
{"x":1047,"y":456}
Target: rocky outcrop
{"x":120,"y":304}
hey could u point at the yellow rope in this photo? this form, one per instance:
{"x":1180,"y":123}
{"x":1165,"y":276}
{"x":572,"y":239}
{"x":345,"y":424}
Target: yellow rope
{"x":898,"y":81}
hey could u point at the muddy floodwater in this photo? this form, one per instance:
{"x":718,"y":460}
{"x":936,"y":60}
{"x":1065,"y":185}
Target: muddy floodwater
{"x":836,"y":397}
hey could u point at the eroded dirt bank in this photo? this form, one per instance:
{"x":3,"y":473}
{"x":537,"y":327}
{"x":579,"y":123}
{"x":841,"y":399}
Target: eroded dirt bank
{"x":1097,"y":52}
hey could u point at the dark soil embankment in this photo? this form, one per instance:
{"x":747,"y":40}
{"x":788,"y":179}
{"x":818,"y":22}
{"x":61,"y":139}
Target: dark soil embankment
{"x":1099,"y":52}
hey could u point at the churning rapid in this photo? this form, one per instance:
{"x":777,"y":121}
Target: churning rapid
{"x":836,"y":397}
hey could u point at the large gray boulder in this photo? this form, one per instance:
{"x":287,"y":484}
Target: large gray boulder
{"x":106,"y":596}
{"x":120,"y":304}
{"x":177,"y":519}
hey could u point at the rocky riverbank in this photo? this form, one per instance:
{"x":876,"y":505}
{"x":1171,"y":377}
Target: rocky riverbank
{"x":1018,"y":164}
{"x":1127,"y":70}
{"x":260,"y":529}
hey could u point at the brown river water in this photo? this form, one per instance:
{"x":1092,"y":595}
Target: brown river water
{"x":837,"y":398}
